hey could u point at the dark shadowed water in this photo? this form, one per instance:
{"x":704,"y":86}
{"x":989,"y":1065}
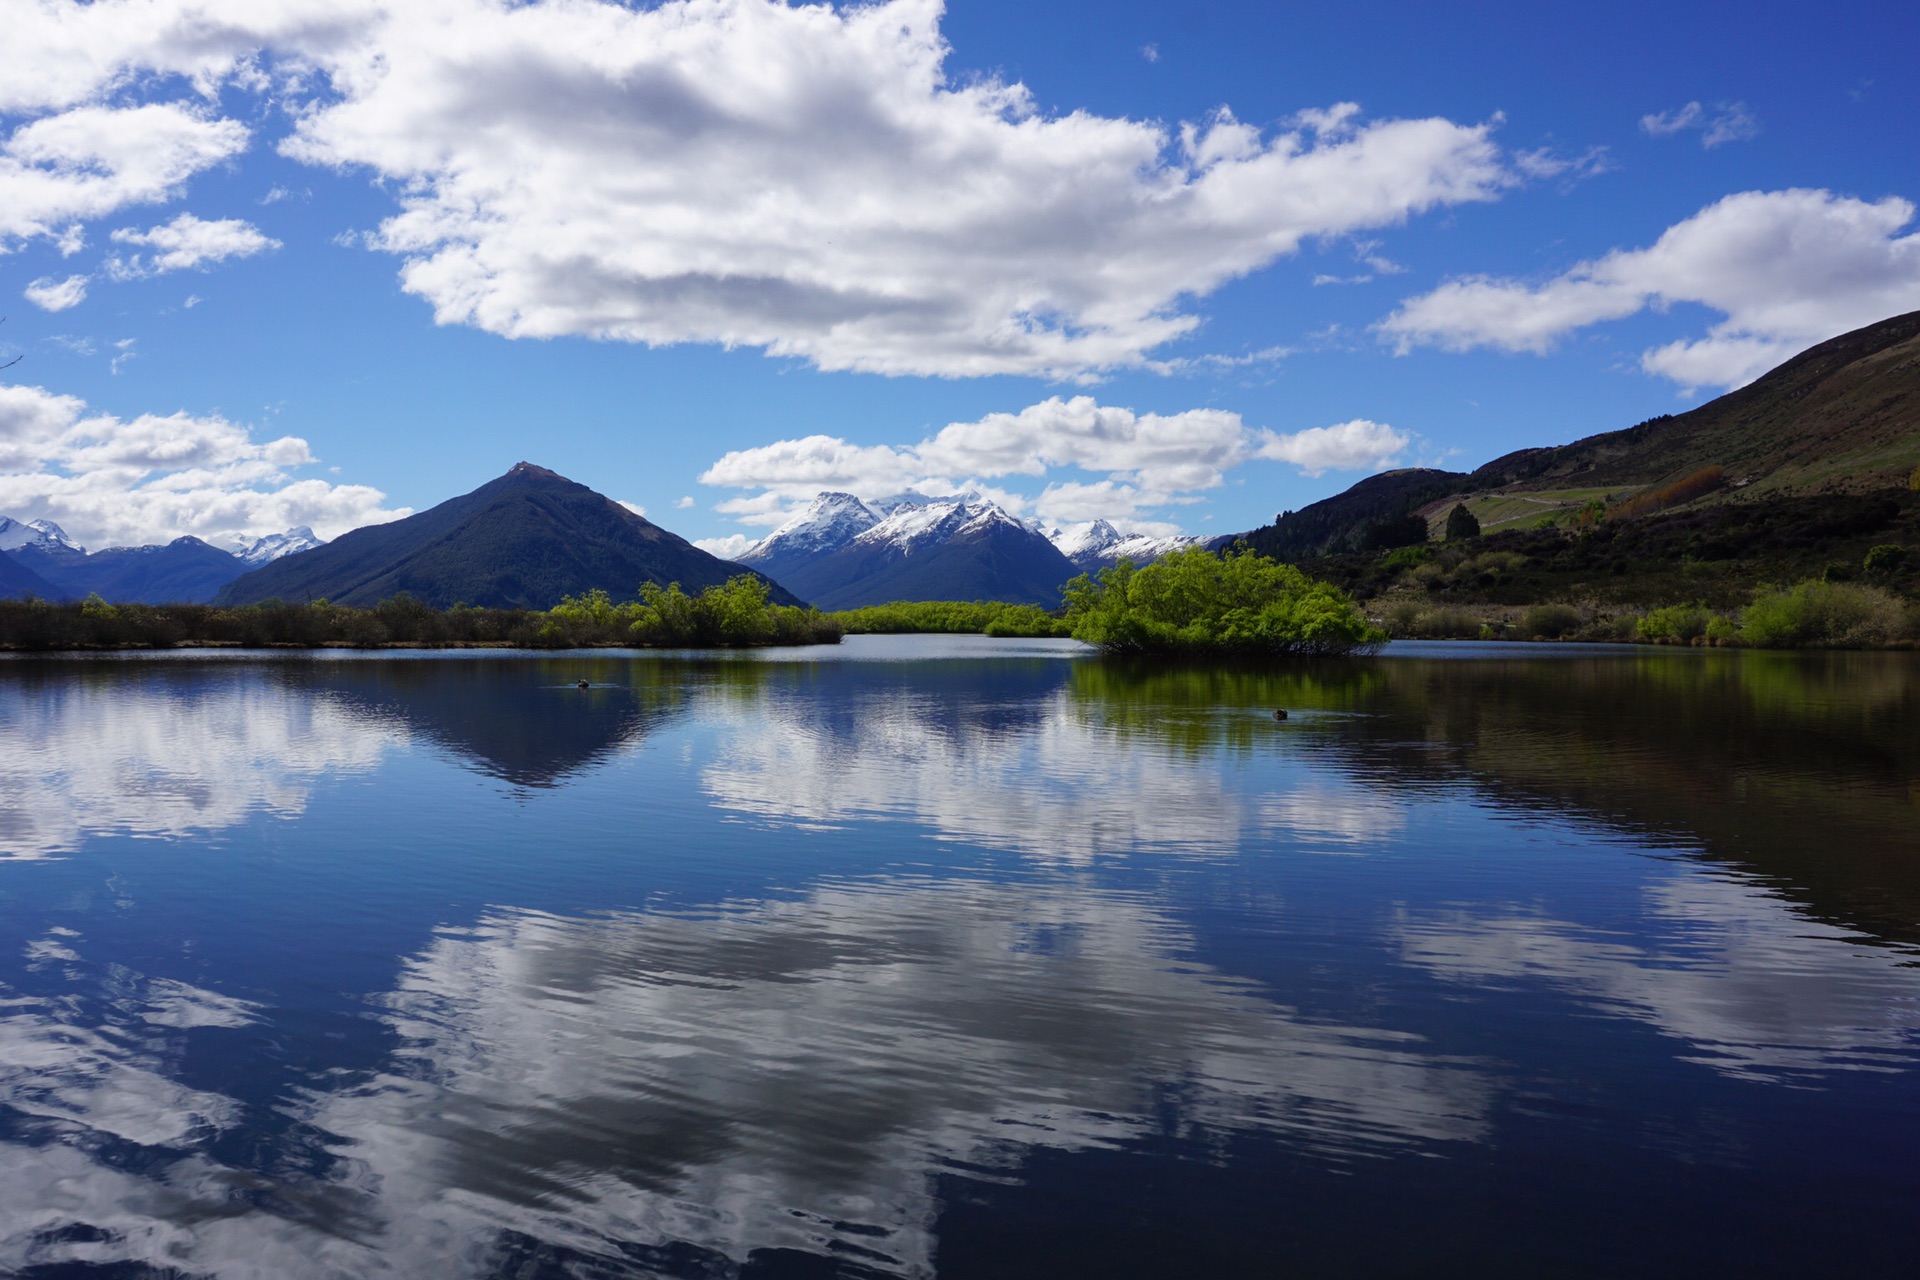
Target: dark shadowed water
{"x":960,"y":957}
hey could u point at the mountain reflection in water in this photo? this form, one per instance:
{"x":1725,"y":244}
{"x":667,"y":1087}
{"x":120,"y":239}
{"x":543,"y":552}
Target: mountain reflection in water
{"x":762,"y":967}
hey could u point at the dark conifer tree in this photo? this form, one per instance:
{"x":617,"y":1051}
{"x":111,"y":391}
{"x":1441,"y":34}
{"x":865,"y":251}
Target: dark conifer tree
{"x":1461,"y":523}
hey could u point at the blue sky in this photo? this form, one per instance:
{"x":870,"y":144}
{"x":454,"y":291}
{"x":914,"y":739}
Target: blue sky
{"x":283,"y":262}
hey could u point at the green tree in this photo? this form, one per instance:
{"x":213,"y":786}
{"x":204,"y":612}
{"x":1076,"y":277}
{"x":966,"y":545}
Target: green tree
{"x":1461,"y":523}
{"x":1195,"y":602}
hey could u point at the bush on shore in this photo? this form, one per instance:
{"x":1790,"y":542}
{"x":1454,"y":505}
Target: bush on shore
{"x":1194,"y":602}
{"x":1411,"y":620}
{"x":950,"y":617}
{"x":1834,"y":615}
{"x":732,"y":615}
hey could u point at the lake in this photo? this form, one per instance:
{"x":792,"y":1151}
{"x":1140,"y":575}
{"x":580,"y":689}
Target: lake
{"x":946,"y":956}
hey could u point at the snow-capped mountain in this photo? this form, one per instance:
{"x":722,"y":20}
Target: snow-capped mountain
{"x":184,"y":571}
{"x":842,"y":553}
{"x":1096,"y":544}
{"x":43,"y":534}
{"x":275,"y":545}
{"x":828,"y":523}
{"x":912,"y":523}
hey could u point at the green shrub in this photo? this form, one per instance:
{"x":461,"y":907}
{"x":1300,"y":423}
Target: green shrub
{"x":1195,"y":602}
{"x":1549,"y":621}
{"x":1403,"y":619}
{"x":1448,"y":622}
{"x":1884,"y":561}
{"x":1406,"y":558}
{"x":1676,"y":624}
{"x":1816,"y":614}
{"x":734,"y":614}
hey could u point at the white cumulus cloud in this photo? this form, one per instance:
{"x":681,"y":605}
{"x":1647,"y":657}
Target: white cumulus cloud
{"x":1145,"y":460}
{"x":1786,"y":269}
{"x":92,"y":161}
{"x":810,"y":180}
{"x":112,"y":482}
{"x":50,"y":294}
{"x":1359,"y":445}
{"x":187,"y":242}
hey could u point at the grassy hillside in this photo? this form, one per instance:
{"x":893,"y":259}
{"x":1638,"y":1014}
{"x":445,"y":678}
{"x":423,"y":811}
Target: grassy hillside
{"x":1799,"y":476}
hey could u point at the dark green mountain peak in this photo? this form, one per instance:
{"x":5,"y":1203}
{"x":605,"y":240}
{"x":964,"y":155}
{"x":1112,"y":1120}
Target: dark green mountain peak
{"x":525,"y":540}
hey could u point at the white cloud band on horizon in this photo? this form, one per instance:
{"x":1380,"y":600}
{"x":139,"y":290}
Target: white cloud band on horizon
{"x":1146,"y":460}
{"x":1787,"y":269}
{"x":808,"y":180}
{"x":113,"y":482}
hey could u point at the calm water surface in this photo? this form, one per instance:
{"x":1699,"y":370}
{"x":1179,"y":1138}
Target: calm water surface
{"x":949,"y":956}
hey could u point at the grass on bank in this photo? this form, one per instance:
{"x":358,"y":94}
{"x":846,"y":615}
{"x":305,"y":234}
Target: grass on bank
{"x":735,"y":614}
{"x":1810,"y":614}
{"x":951,"y":617}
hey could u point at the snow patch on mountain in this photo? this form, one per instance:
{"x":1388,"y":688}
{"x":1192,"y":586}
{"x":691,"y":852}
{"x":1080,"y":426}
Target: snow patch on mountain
{"x":829,"y":522}
{"x":1095,"y":544}
{"x":275,"y":545}
{"x":42,"y":534}
{"x":914,"y":524}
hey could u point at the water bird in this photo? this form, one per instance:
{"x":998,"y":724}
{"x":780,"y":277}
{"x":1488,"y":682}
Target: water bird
{"x":1279,"y":713}
{"x":582,"y":684}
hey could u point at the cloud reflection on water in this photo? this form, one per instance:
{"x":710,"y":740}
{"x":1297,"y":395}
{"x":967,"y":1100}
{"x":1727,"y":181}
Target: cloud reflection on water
{"x":81,"y":756}
{"x":1758,"y":989}
{"x":796,"y":1073}
{"x":776,"y":1074}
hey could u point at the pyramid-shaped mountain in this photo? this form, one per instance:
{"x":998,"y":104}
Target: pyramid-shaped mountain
{"x":524,"y":541}
{"x":844,"y":554}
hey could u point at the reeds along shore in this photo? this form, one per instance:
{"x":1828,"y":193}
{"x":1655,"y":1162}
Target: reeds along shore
{"x":733,"y":615}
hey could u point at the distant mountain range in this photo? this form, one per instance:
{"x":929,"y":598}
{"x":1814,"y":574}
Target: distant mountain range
{"x":523,"y":541}
{"x":842,"y":553}
{"x":41,"y":560}
{"x":1838,"y":425}
{"x":1096,"y":545}
{"x":1836,"y":422}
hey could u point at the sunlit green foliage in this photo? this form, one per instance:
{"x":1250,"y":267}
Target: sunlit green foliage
{"x":1834,"y":615}
{"x":1406,"y":558}
{"x":953,"y":617}
{"x":1193,"y":601}
{"x":1686,"y":624}
{"x":734,"y":614}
